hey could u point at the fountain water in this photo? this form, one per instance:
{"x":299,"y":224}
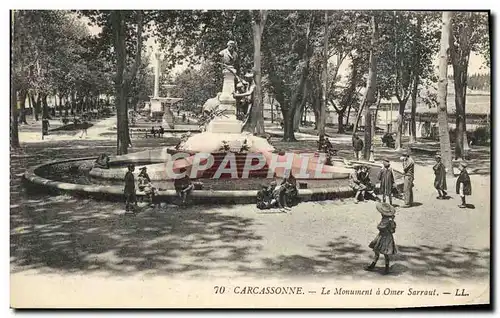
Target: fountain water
{"x":160,"y":107}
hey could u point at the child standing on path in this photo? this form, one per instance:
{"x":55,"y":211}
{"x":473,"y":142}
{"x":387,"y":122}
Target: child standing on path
{"x":463,"y":187}
{"x":129,"y":190}
{"x":440,"y":178}
{"x":384,"y":241}
{"x":386,"y":178}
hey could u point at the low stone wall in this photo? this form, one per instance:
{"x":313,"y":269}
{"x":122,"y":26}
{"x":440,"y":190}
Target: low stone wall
{"x":34,"y":182}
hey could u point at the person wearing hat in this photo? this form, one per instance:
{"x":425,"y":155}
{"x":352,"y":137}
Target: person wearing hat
{"x":440,"y":178}
{"x":263,"y":198}
{"x":129,"y":190}
{"x":357,"y":145}
{"x":278,"y":194}
{"x":291,"y":193}
{"x":384,"y":243}
{"x":463,"y":186}
{"x":145,"y":185}
{"x":183,"y":186}
{"x":364,"y":177}
{"x":409,"y":175}
{"x":386,"y":178}
{"x":355,"y":183}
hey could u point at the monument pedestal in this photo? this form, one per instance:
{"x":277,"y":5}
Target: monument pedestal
{"x":226,"y":123}
{"x":222,"y":124}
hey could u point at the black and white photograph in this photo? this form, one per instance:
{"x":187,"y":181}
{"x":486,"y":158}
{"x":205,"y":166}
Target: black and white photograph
{"x":267,"y":158}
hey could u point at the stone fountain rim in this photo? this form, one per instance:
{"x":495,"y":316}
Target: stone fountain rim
{"x":316,"y":194}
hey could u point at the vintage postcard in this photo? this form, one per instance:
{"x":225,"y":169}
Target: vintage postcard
{"x":250,"y":158}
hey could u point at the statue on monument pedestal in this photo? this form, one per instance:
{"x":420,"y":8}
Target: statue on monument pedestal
{"x":229,"y":55}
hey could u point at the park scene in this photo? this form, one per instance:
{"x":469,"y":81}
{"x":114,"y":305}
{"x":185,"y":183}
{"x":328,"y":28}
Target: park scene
{"x":157,"y":145}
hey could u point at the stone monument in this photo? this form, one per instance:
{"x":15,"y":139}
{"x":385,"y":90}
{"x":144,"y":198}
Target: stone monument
{"x":227,"y":122}
{"x":226,"y":128}
{"x":160,"y":106}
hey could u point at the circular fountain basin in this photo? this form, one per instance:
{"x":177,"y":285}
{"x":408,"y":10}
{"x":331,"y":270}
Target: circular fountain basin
{"x":73,"y":177}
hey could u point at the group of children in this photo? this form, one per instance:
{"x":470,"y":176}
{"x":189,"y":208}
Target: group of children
{"x":359,"y":181}
{"x":160,"y":131}
{"x":384,"y":242}
{"x":282,"y":195}
{"x":463,"y":185}
{"x":183,"y":187}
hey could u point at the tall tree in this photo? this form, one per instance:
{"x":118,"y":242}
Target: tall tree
{"x":324,"y":104}
{"x":371,"y":86}
{"x":121,"y":42}
{"x":470,"y":32}
{"x":444,"y":136}
{"x":257,"y":119}
{"x":123,"y":79}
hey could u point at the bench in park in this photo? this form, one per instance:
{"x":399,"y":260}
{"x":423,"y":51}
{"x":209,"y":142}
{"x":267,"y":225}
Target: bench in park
{"x":425,"y":150}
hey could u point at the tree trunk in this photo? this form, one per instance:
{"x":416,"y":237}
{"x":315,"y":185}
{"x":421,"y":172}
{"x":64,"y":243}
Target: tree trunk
{"x":460,"y":81}
{"x":23,"y":94}
{"x":400,"y":121}
{"x":444,"y":135}
{"x":371,"y":86}
{"x":340,"y":114}
{"x":45,"y":106}
{"x":73,"y":103}
{"x":348,"y":115}
{"x":315,"y":107}
{"x":322,"y":116}
{"x":299,"y":111}
{"x":66,"y":109}
{"x":257,"y":116}
{"x":122,"y":81}
{"x":288,"y":115}
{"x":30,"y":105}
{"x":416,"y":82}
{"x":413,"y":118}
{"x":14,"y":127}
{"x":36,"y":105}
{"x":60,"y":106}
{"x":121,"y":96}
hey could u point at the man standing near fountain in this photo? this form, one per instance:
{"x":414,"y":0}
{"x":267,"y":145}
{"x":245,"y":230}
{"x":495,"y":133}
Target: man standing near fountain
{"x":129,"y":190}
{"x":409,"y":175}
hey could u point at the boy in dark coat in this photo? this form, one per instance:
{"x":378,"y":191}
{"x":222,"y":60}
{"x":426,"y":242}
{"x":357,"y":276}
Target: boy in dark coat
{"x":129,"y":189}
{"x":357,"y":145}
{"x":386,"y":178}
{"x":183,"y":187}
{"x":463,"y":186}
{"x":440,"y":178}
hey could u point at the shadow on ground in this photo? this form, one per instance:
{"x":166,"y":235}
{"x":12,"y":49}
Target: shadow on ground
{"x":344,"y":259}
{"x":62,"y":233}
{"x":66,"y":234}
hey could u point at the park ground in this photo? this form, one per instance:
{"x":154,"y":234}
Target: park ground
{"x":68,"y":242}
